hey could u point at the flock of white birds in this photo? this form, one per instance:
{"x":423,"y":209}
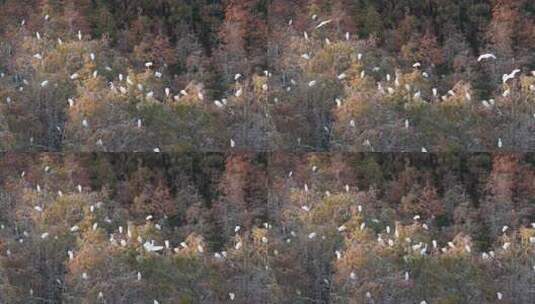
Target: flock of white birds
{"x":388,"y":87}
{"x":390,"y":237}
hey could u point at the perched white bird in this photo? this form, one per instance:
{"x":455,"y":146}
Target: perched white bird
{"x":232,"y":296}
{"x":74,"y":76}
{"x":341,"y":76}
{"x":512,"y":75}
{"x":80,"y":35}
{"x":92,"y":56}
{"x":312,"y":83}
{"x":499,"y":295}
{"x":232,"y":143}
{"x":305,"y":56}
{"x":238,"y":92}
{"x":149,"y":246}
{"x":44,"y":83}
{"x":323,"y":23}
{"x":85,"y":124}
{"x":406,"y":123}
{"x":500,"y":144}
{"x":312,"y":235}
{"x":486,"y":56}
{"x":38,"y":35}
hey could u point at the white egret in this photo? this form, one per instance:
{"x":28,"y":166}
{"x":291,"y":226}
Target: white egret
{"x":512,"y":75}
{"x":323,"y":23}
{"x":149,"y":246}
{"x":485,"y":57}
{"x":238,"y":92}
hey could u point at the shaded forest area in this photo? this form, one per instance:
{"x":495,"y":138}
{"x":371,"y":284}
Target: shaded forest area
{"x":259,"y":75}
{"x":267,"y":228}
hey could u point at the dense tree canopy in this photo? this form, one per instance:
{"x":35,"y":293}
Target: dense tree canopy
{"x":267,"y":75}
{"x":268,"y":228}
{"x":224,"y":151}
